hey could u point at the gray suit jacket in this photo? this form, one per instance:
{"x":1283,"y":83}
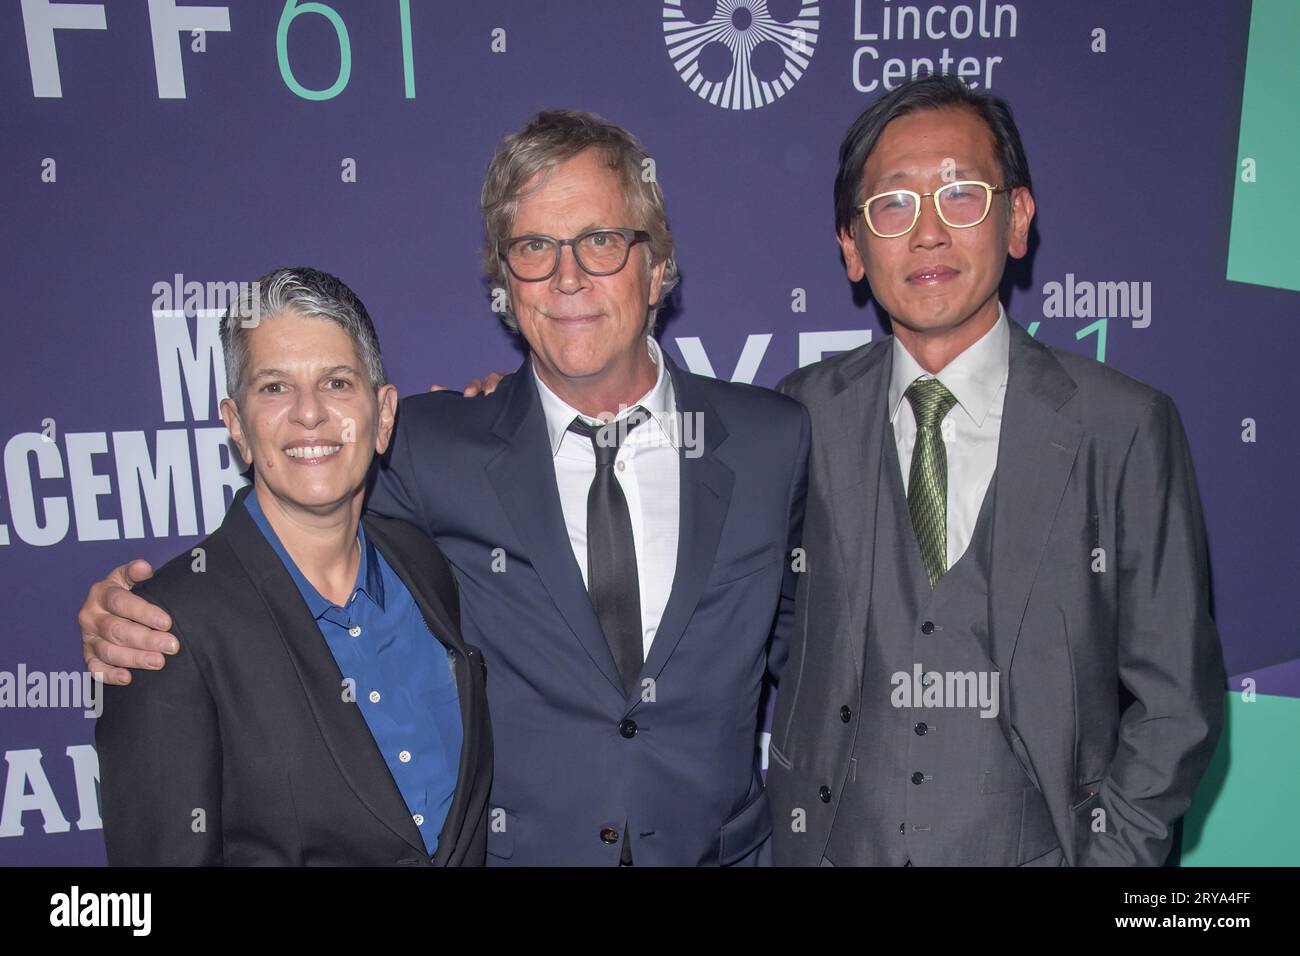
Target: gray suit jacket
{"x":1111,"y":672}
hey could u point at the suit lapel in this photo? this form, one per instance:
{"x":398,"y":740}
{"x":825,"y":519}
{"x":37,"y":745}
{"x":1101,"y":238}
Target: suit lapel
{"x":1036,"y":452}
{"x":404,"y":556}
{"x":523,"y":476}
{"x":705,"y":497}
{"x":406,"y":548}
{"x":341,"y":723}
{"x":851,"y":458}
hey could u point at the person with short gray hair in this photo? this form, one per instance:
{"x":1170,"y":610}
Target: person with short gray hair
{"x":301,"y":291}
{"x":324,"y":709}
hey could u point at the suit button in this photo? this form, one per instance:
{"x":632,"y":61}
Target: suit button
{"x":927,"y":627}
{"x":921,"y":728}
{"x":627,"y":728}
{"x":608,"y":835}
{"x":845,"y":714}
{"x":825,"y":794}
{"x":918,"y":778}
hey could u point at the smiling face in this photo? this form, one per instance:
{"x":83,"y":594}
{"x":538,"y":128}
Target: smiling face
{"x":937,"y":280}
{"x":309,"y":421}
{"x":584,"y":331}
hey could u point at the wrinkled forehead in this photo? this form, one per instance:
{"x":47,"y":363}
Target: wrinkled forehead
{"x":583,"y":191}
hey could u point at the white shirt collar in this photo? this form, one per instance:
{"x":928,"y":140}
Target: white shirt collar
{"x":660,"y":402}
{"x":974,"y":377}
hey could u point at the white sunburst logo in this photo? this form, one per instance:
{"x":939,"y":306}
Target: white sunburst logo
{"x":740,"y":54}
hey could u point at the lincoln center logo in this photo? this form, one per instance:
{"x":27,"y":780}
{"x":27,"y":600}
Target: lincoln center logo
{"x":740,"y":54}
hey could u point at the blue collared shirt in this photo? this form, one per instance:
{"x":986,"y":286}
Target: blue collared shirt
{"x":403,"y":677}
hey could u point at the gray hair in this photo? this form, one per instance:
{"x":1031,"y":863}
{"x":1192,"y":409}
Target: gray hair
{"x":551,"y":138}
{"x":299,"y":291}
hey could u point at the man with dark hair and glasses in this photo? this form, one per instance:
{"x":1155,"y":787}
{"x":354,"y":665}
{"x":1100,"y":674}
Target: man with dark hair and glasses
{"x":1004,"y":653}
{"x":619,"y":528}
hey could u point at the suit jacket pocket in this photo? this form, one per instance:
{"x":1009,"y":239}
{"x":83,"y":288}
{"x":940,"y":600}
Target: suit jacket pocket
{"x":501,"y":832}
{"x":1085,"y":793}
{"x":743,"y":566}
{"x":746,"y":831}
{"x":1000,"y":769}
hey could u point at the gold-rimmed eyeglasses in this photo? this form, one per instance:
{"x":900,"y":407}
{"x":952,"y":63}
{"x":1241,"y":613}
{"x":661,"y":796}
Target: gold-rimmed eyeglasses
{"x":960,"y":205}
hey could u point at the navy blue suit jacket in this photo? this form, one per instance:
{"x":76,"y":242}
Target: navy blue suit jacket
{"x":575,"y":755}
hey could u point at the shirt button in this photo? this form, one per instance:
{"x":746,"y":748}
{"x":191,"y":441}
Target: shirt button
{"x":404,"y":756}
{"x":374,"y":697}
{"x":927,"y":628}
{"x":354,"y":630}
{"x":419,"y":819}
{"x":622,"y":465}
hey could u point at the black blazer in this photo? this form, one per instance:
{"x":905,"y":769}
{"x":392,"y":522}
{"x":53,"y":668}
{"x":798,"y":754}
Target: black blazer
{"x":243,"y":749}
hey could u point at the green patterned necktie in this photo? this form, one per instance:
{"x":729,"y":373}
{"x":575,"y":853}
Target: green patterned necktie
{"x":927,"y":483}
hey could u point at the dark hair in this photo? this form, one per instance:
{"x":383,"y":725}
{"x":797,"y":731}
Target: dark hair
{"x":927,"y":93}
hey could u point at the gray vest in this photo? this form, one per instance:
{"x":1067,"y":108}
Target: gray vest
{"x":932,"y":785}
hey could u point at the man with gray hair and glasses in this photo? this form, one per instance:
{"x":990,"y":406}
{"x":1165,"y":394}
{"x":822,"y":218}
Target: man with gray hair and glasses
{"x":619,"y":528}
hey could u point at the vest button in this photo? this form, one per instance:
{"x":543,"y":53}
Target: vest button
{"x":921,"y":728}
{"x":845,"y":714}
{"x":627,"y":728}
{"x":825,"y":794}
{"x":918,"y":778}
{"x":608,"y":835}
{"x":927,"y":628}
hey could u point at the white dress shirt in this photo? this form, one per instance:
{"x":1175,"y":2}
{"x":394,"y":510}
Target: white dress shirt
{"x":647,"y":469}
{"x":977,"y":378}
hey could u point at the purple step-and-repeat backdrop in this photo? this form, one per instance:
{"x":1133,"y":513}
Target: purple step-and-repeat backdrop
{"x":153,"y":151}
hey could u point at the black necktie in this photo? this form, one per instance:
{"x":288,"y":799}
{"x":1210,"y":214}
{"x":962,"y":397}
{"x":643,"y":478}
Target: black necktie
{"x":612,"y":579}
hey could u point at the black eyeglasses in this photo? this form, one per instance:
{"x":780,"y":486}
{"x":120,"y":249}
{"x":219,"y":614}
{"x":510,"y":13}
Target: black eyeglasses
{"x":599,"y":252}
